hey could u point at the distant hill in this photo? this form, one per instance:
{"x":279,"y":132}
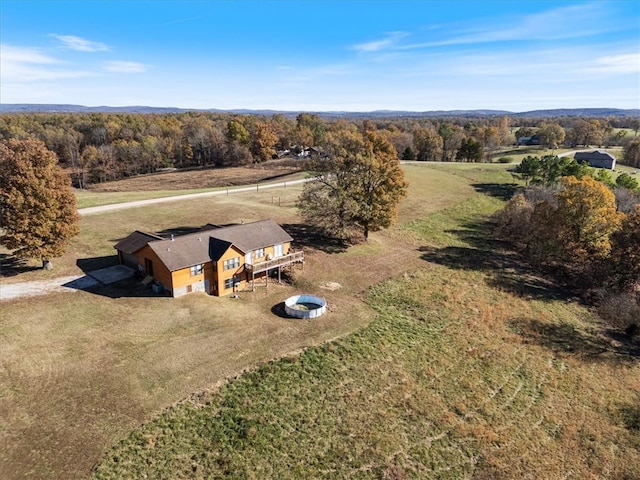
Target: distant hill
{"x":560,"y":112}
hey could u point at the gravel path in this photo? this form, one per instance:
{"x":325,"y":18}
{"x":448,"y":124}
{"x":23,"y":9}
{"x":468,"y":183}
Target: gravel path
{"x":42,"y":287}
{"x":191,"y":196}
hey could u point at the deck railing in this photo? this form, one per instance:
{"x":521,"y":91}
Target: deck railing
{"x":294,"y":257}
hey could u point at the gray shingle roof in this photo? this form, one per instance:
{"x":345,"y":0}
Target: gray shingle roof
{"x":135,"y":241}
{"x":251,"y":236}
{"x":182,"y":252}
{"x":595,"y":155}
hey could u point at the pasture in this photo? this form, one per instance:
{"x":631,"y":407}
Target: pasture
{"x":440,"y":357}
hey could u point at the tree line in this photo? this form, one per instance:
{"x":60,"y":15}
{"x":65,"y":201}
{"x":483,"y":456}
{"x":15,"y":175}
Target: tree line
{"x":584,"y":230}
{"x":99,"y":147}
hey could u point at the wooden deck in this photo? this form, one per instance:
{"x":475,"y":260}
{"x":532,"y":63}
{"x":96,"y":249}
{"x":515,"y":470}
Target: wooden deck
{"x":294,"y":257}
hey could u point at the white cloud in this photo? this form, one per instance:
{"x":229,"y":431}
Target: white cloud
{"x":624,"y":63}
{"x":22,"y":64}
{"x":121,"y":66}
{"x":390,"y":40}
{"x":80,"y":44}
{"x":9,"y":53}
{"x":573,"y":21}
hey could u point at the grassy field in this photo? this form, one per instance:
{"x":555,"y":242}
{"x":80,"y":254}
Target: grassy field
{"x":440,"y":357}
{"x":474,"y":367}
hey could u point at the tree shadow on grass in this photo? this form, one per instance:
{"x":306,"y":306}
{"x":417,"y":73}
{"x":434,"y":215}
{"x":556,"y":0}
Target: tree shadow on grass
{"x":503,"y":191}
{"x":504,"y":268}
{"x":314,"y":237}
{"x":10,"y":265}
{"x":565,"y":338}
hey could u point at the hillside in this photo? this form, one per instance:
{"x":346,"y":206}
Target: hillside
{"x":551,"y":113}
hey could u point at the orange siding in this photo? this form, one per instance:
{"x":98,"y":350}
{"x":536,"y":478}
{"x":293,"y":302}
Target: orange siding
{"x":220,"y":274}
{"x":182,"y":278}
{"x":209,"y":275}
{"x":160,"y":272}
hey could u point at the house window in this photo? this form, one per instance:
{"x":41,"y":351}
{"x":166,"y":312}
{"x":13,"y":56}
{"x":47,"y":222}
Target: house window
{"x":232,"y":263}
{"x":259,"y":253}
{"x":230,"y":282}
{"x":196,"y":270}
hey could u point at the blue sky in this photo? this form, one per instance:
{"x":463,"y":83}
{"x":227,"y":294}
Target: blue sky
{"x":322,"y":55}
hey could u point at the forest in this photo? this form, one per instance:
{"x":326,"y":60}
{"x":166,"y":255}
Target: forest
{"x":99,"y":147}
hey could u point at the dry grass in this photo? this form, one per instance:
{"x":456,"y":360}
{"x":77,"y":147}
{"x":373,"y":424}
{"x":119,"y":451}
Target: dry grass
{"x":460,"y":374}
{"x":206,"y":178}
{"x":454,"y":378}
{"x":79,"y":370}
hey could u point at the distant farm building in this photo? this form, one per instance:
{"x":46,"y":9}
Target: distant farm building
{"x":215,"y":260}
{"x":597,"y":159}
{"x":532,"y":140}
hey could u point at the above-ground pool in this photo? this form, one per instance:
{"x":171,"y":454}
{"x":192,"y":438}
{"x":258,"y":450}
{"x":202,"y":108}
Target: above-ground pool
{"x":305,"y":306}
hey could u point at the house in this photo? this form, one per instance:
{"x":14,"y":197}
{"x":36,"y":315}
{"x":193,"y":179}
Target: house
{"x":597,"y":159}
{"x":532,"y":140}
{"x":215,"y":260}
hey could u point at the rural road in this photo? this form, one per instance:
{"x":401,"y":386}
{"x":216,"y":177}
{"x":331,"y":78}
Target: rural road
{"x":190,"y":196}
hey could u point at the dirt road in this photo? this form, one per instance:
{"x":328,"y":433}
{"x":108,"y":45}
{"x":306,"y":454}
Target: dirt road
{"x":191,"y":196}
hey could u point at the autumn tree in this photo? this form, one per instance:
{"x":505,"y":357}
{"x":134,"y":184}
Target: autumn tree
{"x":570,"y":226}
{"x":551,"y":135}
{"x":625,"y":251}
{"x":587,"y":132}
{"x":311,"y":129}
{"x":427,"y":144}
{"x":588,"y":215}
{"x":358,"y":188}
{"x":37,"y":205}
{"x":263,"y":142}
{"x":632,"y":153}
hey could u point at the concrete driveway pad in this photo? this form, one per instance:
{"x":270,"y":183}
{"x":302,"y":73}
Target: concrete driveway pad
{"x":112,"y":274}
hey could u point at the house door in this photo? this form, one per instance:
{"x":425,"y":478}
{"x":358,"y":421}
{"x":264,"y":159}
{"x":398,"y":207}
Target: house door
{"x":278,"y":250}
{"x":148,"y":267}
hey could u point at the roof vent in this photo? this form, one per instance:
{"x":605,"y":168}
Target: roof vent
{"x":199,"y":239}
{"x":168,"y":249}
{"x":172,"y":237}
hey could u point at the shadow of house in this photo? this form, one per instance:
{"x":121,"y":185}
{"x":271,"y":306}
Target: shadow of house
{"x":125,"y":288}
{"x":96,"y":263}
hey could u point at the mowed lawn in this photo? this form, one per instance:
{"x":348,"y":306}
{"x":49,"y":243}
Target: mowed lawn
{"x":440,"y":357}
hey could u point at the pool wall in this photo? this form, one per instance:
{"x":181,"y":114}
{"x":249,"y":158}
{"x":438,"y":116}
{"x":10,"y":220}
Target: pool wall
{"x":290,"y":302}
